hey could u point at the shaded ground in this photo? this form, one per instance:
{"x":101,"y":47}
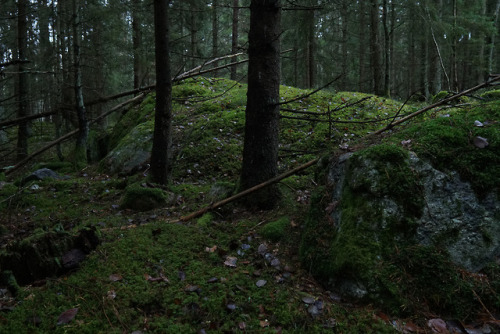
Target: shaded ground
{"x":232,"y":270}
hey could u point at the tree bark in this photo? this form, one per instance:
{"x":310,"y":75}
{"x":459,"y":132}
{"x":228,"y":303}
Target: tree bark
{"x":137,"y":43}
{"x":375,"y":49}
{"x":215,"y":34}
{"x":22,"y":82}
{"x":234,"y":37}
{"x":387,"y":54}
{"x":491,"y":58}
{"x":362,"y":47}
{"x":260,"y":151}
{"x":162,"y":138}
{"x":310,"y":49}
{"x":83,"y":125}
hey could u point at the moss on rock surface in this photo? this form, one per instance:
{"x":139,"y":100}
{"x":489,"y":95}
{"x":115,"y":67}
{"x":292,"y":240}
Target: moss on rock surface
{"x":414,"y":221}
{"x":143,"y":199}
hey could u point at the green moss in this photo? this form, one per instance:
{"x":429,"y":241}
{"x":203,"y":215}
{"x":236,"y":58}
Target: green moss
{"x":134,"y":116}
{"x":417,"y":273}
{"x":447,"y":144}
{"x":144,"y":199}
{"x":275,"y":230}
{"x":205,"y":220}
{"x":491,"y":94}
{"x":190,"y":88}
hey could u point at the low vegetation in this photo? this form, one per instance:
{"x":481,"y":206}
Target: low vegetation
{"x":230,"y":270}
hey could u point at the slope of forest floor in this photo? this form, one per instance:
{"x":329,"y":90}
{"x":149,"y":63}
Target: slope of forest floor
{"x":232,"y":270}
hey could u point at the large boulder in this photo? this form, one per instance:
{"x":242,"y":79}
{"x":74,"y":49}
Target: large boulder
{"x":392,"y":216}
{"x":132,"y":152}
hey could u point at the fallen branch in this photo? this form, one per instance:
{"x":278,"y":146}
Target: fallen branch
{"x":26,"y":118}
{"x":68,"y":135}
{"x":309,"y":94}
{"x":248,"y":191}
{"x":437,"y":104}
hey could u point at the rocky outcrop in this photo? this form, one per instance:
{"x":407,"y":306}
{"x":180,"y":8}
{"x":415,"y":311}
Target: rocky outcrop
{"x":396,"y":226}
{"x":133,"y":151}
{"x":452,"y":216}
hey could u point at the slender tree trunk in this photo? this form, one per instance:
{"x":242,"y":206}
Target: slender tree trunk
{"x":193,"y":33}
{"x":454,"y":46}
{"x":392,"y":76}
{"x":491,"y":58}
{"x":215,"y":34}
{"x":375,"y":48}
{"x":482,"y":71}
{"x":344,"y":36}
{"x":260,"y":152}
{"x":362,"y":47}
{"x":83,"y":125}
{"x":162,"y":138}
{"x":137,"y":43}
{"x":310,"y":50}
{"x":234,"y":37}
{"x":22,"y":82}
{"x":387,"y":54}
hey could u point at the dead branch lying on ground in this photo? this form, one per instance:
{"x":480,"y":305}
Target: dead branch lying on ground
{"x":309,"y":94}
{"x":437,"y":104}
{"x":314,"y":161}
{"x":69,"y":135}
{"x":249,"y":191}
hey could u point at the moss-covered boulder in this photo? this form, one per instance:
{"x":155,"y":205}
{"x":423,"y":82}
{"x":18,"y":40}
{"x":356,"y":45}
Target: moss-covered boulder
{"x":132,"y":152}
{"x":47,"y":253}
{"x":393,"y":216}
{"x":143,"y":198}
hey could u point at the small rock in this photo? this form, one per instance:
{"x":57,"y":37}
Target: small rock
{"x":308,"y":299}
{"x":480,"y":142}
{"x":260,"y":283}
{"x":262,"y":249}
{"x":213,"y":280}
{"x":231,"y":261}
{"x":275,"y":262}
{"x":313,"y":311}
{"x":478,"y":124}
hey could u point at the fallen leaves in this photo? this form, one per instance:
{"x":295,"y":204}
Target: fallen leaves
{"x":231,"y":261}
{"x":66,"y":317}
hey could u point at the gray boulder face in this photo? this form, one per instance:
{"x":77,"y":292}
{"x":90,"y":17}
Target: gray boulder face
{"x":451,"y":216}
{"x":456,"y":219}
{"x":41,"y":174}
{"x":133,"y":151}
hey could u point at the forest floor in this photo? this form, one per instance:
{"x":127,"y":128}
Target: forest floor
{"x":231,"y":270}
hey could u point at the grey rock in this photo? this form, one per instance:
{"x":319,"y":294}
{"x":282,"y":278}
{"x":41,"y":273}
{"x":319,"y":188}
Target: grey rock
{"x":41,"y":174}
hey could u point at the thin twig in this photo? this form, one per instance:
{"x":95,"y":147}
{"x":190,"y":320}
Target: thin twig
{"x":309,"y":94}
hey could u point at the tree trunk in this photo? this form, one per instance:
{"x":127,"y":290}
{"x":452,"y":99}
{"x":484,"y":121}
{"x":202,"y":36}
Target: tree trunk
{"x":454,"y":46}
{"x":260,"y":152}
{"x":215,"y":34}
{"x":387,"y":54}
{"x":193,"y":32}
{"x":375,"y":49}
{"x":234,"y":37}
{"x":162,"y":138}
{"x":137,"y":43}
{"x":83,"y":125}
{"x":22,"y":82}
{"x":362,"y":47}
{"x":310,"y":49}
{"x":344,"y":47}
{"x":491,"y":60}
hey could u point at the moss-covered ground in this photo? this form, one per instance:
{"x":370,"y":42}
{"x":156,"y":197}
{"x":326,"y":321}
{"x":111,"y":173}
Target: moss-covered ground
{"x":228,"y":271}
